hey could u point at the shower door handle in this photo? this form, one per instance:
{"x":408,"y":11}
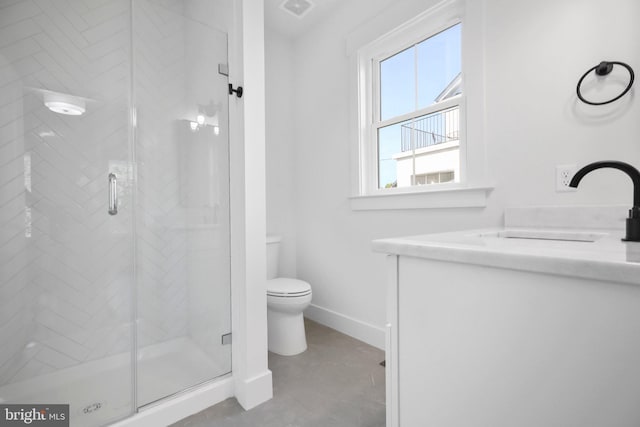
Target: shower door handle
{"x":113,"y":194}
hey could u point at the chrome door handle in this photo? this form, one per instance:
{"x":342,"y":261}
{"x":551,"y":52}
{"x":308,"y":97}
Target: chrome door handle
{"x":113,"y":194}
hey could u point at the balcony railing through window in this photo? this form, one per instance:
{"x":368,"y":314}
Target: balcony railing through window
{"x":432,"y":129}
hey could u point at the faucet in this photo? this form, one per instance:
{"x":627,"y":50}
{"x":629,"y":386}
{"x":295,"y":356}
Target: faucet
{"x":633,"y":222}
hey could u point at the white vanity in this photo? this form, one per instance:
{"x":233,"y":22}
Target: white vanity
{"x":515,"y":327}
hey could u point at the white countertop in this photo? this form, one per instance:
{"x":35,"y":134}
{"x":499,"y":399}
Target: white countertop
{"x":607,"y":258}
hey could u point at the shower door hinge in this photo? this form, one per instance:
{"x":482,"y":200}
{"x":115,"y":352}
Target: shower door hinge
{"x":223,"y":69}
{"x":226,"y":339}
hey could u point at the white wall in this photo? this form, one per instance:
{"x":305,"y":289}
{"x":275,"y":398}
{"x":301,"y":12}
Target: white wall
{"x":252,"y":378}
{"x":534,"y":54}
{"x":281,"y":147}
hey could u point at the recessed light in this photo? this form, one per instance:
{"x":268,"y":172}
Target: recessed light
{"x":64,"y":108}
{"x":64,"y":104}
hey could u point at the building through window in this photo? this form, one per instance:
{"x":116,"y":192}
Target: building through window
{"x":412,"y":100}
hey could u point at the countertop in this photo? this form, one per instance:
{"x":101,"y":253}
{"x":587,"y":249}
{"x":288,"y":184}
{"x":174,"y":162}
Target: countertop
{"x":606,"y":258}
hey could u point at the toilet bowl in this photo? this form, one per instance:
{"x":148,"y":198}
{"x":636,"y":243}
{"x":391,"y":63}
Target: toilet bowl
{"x":286,"y":300}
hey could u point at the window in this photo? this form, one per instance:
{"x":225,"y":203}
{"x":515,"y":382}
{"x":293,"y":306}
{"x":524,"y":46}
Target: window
{"x":414,"y":130}
{"x":418,"y":107}
{"x":411,"y":105}
{"x":418,"y":138}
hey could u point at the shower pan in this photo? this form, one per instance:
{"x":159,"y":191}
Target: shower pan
{"x":114,"y":203}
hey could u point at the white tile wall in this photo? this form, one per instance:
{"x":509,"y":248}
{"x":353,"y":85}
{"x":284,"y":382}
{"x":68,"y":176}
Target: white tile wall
{"x":183,"y":180}
{"x":182,"y":224}
{"x":161,"y":246}
{"x":65,"y":265}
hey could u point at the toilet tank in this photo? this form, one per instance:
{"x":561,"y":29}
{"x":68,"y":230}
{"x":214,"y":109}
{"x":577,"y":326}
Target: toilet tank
{"x":273,"y":251}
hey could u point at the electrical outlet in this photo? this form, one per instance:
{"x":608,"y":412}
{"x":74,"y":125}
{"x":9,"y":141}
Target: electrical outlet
{"x":564,"y":173}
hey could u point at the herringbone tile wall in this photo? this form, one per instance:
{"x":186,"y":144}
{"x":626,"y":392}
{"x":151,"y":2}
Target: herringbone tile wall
{"x":183,"y":256}
{"x":66,"y":266}
{"x":182,"y":227}
{"x":159,"y":79}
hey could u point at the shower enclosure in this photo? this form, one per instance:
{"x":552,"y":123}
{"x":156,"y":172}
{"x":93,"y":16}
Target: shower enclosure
{"x":114,"y":203}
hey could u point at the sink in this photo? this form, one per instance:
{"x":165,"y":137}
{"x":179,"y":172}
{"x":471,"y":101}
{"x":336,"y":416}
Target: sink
{"x":560,"y":235}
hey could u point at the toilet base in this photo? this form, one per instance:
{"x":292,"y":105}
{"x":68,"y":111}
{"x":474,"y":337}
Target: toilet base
{"x":286,"y":333}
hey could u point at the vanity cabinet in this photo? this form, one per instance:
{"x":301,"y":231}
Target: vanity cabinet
{"x":493,"y":340}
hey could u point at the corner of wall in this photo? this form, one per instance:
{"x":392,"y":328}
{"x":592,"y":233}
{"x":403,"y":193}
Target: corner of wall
{"x":252,"y":392}
{"x":252,"y":378}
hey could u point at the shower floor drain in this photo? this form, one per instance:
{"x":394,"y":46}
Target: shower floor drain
{"x":89,"y":409}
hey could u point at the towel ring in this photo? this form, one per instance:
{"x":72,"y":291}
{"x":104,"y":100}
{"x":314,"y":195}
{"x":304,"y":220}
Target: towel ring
{"x":602,"y":69}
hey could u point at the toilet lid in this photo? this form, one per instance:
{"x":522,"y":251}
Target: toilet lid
{"x":287,"y":287}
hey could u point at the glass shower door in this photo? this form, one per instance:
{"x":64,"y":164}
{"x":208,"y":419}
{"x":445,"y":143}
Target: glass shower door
{"x":66,"y":241}
{"x":182,"y":211}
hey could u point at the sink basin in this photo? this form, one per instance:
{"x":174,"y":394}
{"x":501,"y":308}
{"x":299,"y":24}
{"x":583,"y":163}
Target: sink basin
{"x":561,"y":235}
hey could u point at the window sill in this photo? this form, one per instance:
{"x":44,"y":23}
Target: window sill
{"x":461,"y":197}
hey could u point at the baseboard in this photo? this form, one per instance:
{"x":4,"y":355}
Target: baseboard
{"x":355,"y":328}
{"x":254,"y":391}
{"x":181,"y":406}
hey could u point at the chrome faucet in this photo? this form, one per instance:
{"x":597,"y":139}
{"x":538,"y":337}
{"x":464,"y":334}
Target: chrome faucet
{"x":633,"y":222}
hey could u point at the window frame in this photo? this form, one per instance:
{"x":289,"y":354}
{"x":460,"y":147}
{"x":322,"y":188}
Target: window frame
{"x":367,"y":58}
{"x":378,"y":123}
{"x":408,"y":35}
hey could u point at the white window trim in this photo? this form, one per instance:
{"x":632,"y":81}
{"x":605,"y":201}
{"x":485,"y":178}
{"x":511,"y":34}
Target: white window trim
{"x":472,"y":189}
{"x":444,"y":196}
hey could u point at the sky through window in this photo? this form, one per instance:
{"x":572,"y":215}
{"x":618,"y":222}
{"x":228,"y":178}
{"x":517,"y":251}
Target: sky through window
{"x":411,"y":80}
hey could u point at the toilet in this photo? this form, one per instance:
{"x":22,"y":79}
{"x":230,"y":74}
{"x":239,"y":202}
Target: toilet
{"x":286,"y":300}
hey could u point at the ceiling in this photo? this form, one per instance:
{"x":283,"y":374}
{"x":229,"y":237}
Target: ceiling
{"x":291,"y":26}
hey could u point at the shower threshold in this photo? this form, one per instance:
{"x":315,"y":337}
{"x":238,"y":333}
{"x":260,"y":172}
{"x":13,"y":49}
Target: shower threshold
{"x":164,"y":370}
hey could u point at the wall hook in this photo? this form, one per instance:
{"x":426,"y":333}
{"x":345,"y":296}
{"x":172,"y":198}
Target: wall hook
{"x":602,"y":69}
{"x":238,"y":91}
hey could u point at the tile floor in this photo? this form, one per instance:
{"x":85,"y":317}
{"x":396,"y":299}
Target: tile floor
{"x":337,"y":382}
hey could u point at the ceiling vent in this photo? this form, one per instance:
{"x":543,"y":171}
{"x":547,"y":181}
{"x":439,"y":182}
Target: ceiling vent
{"x":298,"y":8}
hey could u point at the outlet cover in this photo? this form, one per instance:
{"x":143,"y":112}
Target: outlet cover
{"x":564,"y":173}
